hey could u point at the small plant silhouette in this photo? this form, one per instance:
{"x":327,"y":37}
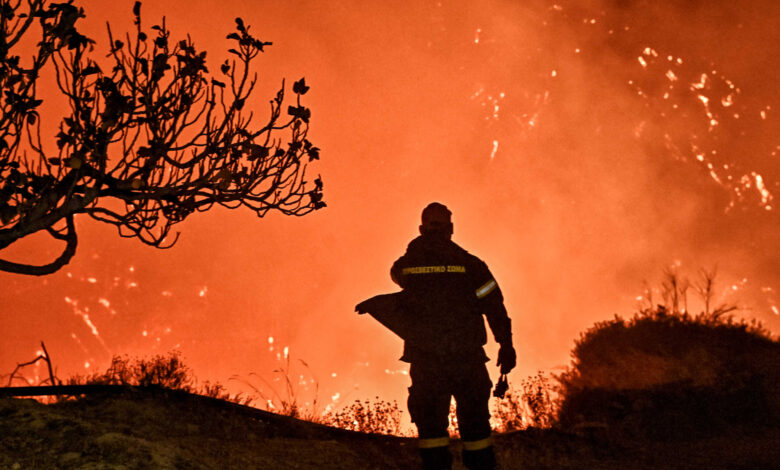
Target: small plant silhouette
{"x":373,"y":417}
{"x":287,"y":401}
{"x":532,"y":405}
{"x":43,"y":355}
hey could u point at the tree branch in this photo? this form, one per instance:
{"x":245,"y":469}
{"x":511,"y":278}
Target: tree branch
{"x":62,"y":260}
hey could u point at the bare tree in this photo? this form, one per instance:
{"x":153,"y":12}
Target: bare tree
{"x":148,"y":138}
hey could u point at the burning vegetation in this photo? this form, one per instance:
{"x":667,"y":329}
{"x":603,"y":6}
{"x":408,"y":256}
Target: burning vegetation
{"x":662,"y":388}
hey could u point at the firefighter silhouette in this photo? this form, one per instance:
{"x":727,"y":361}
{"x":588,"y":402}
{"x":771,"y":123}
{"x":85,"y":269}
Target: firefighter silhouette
{"x":438,"y":314}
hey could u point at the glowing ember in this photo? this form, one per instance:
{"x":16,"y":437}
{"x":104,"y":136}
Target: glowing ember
{"x":90,"y":324}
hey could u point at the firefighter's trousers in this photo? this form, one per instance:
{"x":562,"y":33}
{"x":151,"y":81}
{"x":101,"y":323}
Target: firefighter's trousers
{"x":433,"y":383}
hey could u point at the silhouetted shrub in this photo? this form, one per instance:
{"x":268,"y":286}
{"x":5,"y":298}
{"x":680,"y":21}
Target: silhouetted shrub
{"x":533,"y":404}
{"x":670,"y":373}
{"x":165,"y":371}
{"x":377,"y":417}
{"x":218,"y":391}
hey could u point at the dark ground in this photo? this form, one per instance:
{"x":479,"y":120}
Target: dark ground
{"x":178,"y":431}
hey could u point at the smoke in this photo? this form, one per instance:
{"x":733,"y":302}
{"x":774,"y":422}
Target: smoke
{"x":550,"y":130}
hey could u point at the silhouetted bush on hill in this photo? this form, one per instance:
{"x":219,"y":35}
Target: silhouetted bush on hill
{"x":532,"y":404}
{"x":665,"y":372}
{"x":166,"y":371}
{"x":371,"y":417}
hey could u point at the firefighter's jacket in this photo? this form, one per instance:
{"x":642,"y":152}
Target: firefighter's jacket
{"x":446,"y":290}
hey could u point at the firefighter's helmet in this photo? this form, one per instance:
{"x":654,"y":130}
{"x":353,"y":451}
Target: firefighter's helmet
{"x":436,"y":220}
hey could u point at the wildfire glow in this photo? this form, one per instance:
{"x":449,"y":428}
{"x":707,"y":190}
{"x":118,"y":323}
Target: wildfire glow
{"x":616,"y":137}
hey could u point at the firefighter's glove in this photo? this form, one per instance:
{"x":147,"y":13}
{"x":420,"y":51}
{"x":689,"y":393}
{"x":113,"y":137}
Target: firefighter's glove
{"x":501,"y":387}
{"x":507,"y":358}
{"x":362,"y":307}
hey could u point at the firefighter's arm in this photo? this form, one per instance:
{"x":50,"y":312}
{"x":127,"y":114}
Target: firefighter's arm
{"x":396,"y":273}
{"x":491,"y":303}
{"x":501,"y":326}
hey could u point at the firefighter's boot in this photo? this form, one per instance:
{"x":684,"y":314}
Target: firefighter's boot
{"x":436,"y":458}
{"x":482,"y":459}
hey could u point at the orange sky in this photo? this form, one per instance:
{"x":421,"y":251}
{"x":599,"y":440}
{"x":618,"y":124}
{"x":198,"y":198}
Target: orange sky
{"x":580,"y":145}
